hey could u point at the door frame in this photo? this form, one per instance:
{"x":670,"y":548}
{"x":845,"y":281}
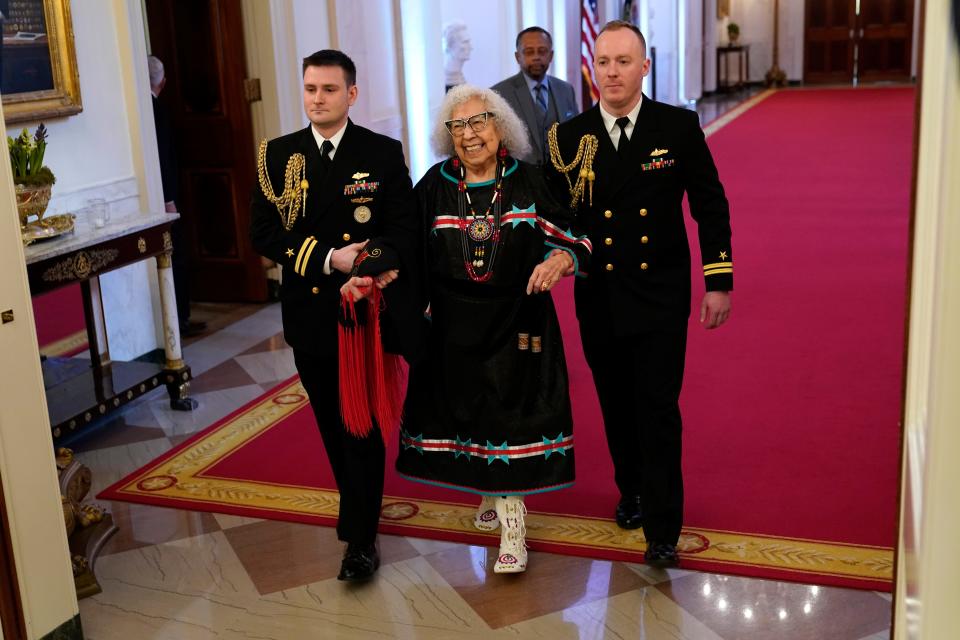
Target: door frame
{"x":12,"y":621}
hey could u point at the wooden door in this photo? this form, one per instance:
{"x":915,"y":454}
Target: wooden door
{"x":201,"y":45}
{"x":829,"y":40}
{"x":885,"y":40}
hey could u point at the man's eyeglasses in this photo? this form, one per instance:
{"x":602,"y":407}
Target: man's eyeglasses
{"x":476,"y":122}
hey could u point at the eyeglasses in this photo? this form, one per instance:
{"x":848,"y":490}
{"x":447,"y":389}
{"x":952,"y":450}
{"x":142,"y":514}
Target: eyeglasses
{"x":477,"y":124}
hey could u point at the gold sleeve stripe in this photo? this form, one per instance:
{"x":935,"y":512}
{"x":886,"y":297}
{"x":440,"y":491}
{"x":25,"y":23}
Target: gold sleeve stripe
{"x":306,"y":258}
{"x":716,"y":265}
{"x":303,"y":248}
{"x":714,"y":272}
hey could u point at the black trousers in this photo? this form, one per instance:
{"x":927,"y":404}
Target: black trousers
{"x":638,"y":380}
{"x":357,"y":462}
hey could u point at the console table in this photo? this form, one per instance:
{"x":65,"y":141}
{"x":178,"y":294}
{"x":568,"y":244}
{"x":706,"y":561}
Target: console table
{"x":742,"y":52}
{"x":80,"y":391}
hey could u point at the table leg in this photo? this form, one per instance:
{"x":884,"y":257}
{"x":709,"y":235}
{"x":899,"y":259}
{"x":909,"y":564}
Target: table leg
{"x":177,"y":375}
{"x":718,"y":71}
{"x":726,"y":70}
{"x":97,"y":342}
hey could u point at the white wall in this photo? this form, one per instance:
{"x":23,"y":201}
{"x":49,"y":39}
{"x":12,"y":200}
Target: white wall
{"x":691,"y":49}
{"x":106,"y":151}
{"x":366,"y":34}
{"x":663,"y":34}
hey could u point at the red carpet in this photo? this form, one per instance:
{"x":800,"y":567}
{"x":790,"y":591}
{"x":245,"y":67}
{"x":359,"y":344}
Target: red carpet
{"x":61,"y":329}
{"x":791,"y":410}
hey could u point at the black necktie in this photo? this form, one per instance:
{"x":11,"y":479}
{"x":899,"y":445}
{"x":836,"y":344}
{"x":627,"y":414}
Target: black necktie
{"x":325,"y":160}
{"x":623,"y":142}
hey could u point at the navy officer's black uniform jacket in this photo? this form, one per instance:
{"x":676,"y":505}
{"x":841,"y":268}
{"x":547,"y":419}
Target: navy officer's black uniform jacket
{"x":365,"y":194}
{"x":640,"y":276}
{"x":634,"y":305}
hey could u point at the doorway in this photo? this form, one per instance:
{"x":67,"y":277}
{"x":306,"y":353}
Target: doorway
{"x":853,"y":41}
{"x":201,"y":46}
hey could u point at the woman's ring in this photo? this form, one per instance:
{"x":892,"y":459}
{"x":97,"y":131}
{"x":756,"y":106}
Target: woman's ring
{"x":544,"y":286}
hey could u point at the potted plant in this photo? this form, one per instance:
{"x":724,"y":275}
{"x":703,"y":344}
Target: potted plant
{"x":32,"y":180}
{"x":733,"y":32}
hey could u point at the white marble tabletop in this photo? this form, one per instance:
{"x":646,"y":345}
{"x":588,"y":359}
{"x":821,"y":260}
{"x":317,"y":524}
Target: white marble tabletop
{"x":86,"y":234}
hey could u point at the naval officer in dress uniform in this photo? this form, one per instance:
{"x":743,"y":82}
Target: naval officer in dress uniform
{"x":323,"y":192}
{"x":634,"y":306}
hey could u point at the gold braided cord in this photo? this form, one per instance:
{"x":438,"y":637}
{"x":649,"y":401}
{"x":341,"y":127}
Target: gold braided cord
{"x":584,"y":159}
{"x":294,"y":195}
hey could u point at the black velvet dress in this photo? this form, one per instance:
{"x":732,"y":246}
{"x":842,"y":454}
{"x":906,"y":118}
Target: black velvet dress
{"x":488,"y":408}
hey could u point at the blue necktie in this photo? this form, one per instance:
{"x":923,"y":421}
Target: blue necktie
{"x":541,"y":92}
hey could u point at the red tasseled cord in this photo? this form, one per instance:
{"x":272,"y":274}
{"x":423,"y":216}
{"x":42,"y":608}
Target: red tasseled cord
{"x":372,"y":383}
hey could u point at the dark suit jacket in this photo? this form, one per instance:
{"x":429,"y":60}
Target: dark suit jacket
{"x":310,"y":299}
{"x":640,"y":277}
{"x":165,"y":150}
{"x":517,"y":94}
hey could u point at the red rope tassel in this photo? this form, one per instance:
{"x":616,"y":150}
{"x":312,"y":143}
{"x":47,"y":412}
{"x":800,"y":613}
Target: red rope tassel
{"x":372,"y":383}
{"x":354,"y":407}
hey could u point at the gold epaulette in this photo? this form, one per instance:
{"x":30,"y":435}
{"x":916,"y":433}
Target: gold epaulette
{"x":293,"y":199}
{"x":584,"y":159}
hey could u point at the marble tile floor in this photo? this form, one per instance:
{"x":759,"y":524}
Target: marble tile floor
{"x":183,"y":575}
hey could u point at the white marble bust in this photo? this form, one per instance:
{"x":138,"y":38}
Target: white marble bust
{"x":456,"y":51}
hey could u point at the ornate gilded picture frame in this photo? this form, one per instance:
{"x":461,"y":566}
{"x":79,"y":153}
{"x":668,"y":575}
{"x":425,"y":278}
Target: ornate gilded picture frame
{"x":38,"y":61}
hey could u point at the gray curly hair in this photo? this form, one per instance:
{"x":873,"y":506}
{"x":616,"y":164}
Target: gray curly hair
{"x":513,"y":133}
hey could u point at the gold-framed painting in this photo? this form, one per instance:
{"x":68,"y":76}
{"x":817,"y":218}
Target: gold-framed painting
{"x":38,"y":61}
{"x":723,"y":9}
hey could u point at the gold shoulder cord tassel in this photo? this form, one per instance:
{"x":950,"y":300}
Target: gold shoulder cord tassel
{"x":585,"y":154}
{"x":293,"y":199}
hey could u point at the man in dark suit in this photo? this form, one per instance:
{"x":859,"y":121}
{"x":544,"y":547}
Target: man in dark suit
{"x":324,"y":191}
{"x":538,"y":98}
{"x":634,"y":306}
{"x":170,"y":181}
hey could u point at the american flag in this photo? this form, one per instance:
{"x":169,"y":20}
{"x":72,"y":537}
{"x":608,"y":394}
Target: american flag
{"x":588,"y":36}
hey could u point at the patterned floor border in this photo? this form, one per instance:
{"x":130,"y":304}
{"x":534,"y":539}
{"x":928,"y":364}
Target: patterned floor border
{"x":70,"y":344}
{"x":736,"y":112}
{"x":178,"y":479}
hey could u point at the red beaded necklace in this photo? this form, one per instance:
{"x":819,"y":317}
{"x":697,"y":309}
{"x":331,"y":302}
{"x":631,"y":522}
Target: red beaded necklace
{"x":479,"y":236}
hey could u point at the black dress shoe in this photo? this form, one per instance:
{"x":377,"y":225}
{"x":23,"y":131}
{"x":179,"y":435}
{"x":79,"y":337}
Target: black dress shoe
{"x":360,"y":562}
{"x":192,"y":329}
{"x":661,"y":555}
{"x":629,"y":515}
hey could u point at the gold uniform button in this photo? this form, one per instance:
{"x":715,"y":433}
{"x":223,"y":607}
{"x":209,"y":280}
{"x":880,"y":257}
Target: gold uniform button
{"x":609,"y":267}
{"x":643,"y":213}
{"x":608,"y":214}
{"x":644,"y":240}
{"x":608,"y":241}
{"x":346,"y":237}
{"x":315,"y":290}
{"x":644,"y":266}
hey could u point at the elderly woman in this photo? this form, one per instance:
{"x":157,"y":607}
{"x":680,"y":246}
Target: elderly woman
{"x":488,"y":409}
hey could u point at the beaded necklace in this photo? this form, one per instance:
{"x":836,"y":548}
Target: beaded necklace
{"x":479,"y":238}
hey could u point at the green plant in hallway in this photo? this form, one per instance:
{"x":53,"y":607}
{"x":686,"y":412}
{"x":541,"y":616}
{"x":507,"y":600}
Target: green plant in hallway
{"x":733,"y":32}
{"x":33,"y":180}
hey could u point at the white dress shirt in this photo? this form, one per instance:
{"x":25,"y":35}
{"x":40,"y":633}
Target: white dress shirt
{"x":610,"y":122}
{"x":335,"y":141}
